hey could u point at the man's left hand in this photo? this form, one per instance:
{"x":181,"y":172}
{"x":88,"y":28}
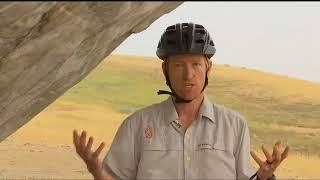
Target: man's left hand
{"x":268,"y":167}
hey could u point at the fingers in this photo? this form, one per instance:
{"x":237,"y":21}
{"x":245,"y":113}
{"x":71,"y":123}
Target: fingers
{"x":83,"y":140}
{"x":276,"y":158}
{"x":275,"y":150}
{"x":83,"y":149}
{"x":76,"y":141}
{"x":256,"y":158}
{"x":79,"y":142}
{"x":279,"y":157}
{"x":267,"y":154}
{"x":285,"y":153}
{"x":90,"y":142}
{"x":75,"y":138}
{"x":278,"y":151}
{"x":98,"y":151}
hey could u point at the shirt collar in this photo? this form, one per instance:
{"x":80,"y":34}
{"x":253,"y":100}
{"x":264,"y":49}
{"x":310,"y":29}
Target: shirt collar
{"x":206,"y":109}
{"x":170,"y":113}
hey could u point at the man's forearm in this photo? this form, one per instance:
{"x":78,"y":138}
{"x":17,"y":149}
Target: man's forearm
{"x":104,"y":175}
{"x":256,"y":177}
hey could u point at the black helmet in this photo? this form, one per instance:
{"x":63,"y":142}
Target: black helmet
{"x":185,"y":38}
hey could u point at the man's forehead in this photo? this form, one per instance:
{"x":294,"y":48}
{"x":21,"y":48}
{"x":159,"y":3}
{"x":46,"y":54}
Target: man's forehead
{"x":187,"y":57}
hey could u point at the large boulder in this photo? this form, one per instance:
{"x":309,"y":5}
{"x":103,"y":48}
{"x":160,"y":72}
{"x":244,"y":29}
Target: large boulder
{"x":48,"y":47}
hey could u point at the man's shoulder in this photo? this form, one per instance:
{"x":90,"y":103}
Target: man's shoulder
{"x":140,"y":116}
{"x":153,"y":109}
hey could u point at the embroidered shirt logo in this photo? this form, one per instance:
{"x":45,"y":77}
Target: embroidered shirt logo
{"x":149,"y":132}
{"x":204,"y":146}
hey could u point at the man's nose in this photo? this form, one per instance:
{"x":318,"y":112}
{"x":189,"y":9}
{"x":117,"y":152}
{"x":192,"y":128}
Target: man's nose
{"x":188,"y":73}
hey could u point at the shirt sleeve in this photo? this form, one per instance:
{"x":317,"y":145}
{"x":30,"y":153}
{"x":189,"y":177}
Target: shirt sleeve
{"x":244,"y":167}
{"x":121,"y":159}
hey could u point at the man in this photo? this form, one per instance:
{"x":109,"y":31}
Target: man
{"x":186,"y":136}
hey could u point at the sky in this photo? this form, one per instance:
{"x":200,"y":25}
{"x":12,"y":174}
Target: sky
{"x":278,"y":37}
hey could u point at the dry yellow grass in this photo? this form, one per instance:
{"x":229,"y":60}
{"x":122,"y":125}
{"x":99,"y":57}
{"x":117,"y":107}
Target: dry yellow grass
{"x":291,"y":90}
{"x":291,"y":128}
{"x":55,"y":124}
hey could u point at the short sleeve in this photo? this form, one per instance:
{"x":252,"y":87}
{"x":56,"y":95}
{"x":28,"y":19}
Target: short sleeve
{"x":243,"y":165}
{"x":121,"y":159}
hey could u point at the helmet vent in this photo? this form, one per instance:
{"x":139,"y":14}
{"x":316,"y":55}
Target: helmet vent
{"x":201,"y":31}
{"x":185,"y":38}
{"x":184,"y":25}
{"x":200,"y":41}
{"x":199,"y":26}
{"x":171,"y":28}
{"x":170,"y":31}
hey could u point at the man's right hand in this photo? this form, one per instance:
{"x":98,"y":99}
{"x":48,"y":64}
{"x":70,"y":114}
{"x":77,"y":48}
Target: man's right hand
{"x":92,"y":160}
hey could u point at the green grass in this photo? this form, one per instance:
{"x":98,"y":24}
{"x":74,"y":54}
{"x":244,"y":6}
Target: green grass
{"x":130,"y":83}
{"x":125,"y":91}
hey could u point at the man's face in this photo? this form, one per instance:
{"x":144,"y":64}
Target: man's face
{"x":187,"y":74}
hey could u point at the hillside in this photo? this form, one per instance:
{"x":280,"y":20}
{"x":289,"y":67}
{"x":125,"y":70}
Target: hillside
{"x":276,"y":107}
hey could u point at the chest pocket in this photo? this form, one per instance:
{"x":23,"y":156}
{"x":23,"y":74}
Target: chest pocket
{"x":216,"y":161}
{"x":164,"y":139}
{"x":160,"y":158}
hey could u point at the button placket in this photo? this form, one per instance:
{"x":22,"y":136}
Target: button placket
{"x":187,"y":152}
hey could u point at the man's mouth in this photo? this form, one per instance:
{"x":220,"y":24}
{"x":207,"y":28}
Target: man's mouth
{"x":189,"y":85}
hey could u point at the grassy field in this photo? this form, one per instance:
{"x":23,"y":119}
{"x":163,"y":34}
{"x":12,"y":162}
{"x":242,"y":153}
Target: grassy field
{"x":276,"y":107}
{"x":129,"y":83}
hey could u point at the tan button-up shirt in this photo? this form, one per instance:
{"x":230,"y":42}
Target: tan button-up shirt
{"x":151,"y":144}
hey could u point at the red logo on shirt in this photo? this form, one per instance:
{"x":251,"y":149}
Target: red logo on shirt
{"x":149,"y":132}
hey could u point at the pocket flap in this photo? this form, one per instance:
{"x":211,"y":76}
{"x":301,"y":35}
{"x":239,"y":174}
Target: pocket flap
{"x":202,"y":146}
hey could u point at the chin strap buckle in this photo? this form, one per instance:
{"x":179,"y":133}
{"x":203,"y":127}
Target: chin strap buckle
{"x":177,"y":100}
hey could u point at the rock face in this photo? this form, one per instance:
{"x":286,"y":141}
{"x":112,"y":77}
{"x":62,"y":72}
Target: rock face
{"x":48,"y":47}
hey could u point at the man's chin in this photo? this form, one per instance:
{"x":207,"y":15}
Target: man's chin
{"x":191,"y":95}
{"x":188,"y":97}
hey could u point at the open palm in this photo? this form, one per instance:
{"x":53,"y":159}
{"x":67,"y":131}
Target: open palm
{"x":90,"y":157}
{"x":268,"y":167}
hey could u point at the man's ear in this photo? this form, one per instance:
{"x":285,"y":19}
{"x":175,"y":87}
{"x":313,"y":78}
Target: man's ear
{"x":210,"y":64}
{"x":163,"y":67}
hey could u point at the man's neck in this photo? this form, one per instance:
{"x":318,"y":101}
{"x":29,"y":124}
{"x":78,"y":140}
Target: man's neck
{"x":188,"y":112}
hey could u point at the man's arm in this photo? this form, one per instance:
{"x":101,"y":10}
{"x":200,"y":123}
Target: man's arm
{"x":256,"y":177}
{"x":106,"y":174}
{"x":90,"y":157}
{"x":121,"y":160}
{"x":244,"y":168}
{"x":266,"y":167}
{"x":242,"y":156}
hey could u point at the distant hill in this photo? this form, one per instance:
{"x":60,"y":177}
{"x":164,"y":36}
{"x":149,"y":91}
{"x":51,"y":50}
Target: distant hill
{"x":276,"y":107}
